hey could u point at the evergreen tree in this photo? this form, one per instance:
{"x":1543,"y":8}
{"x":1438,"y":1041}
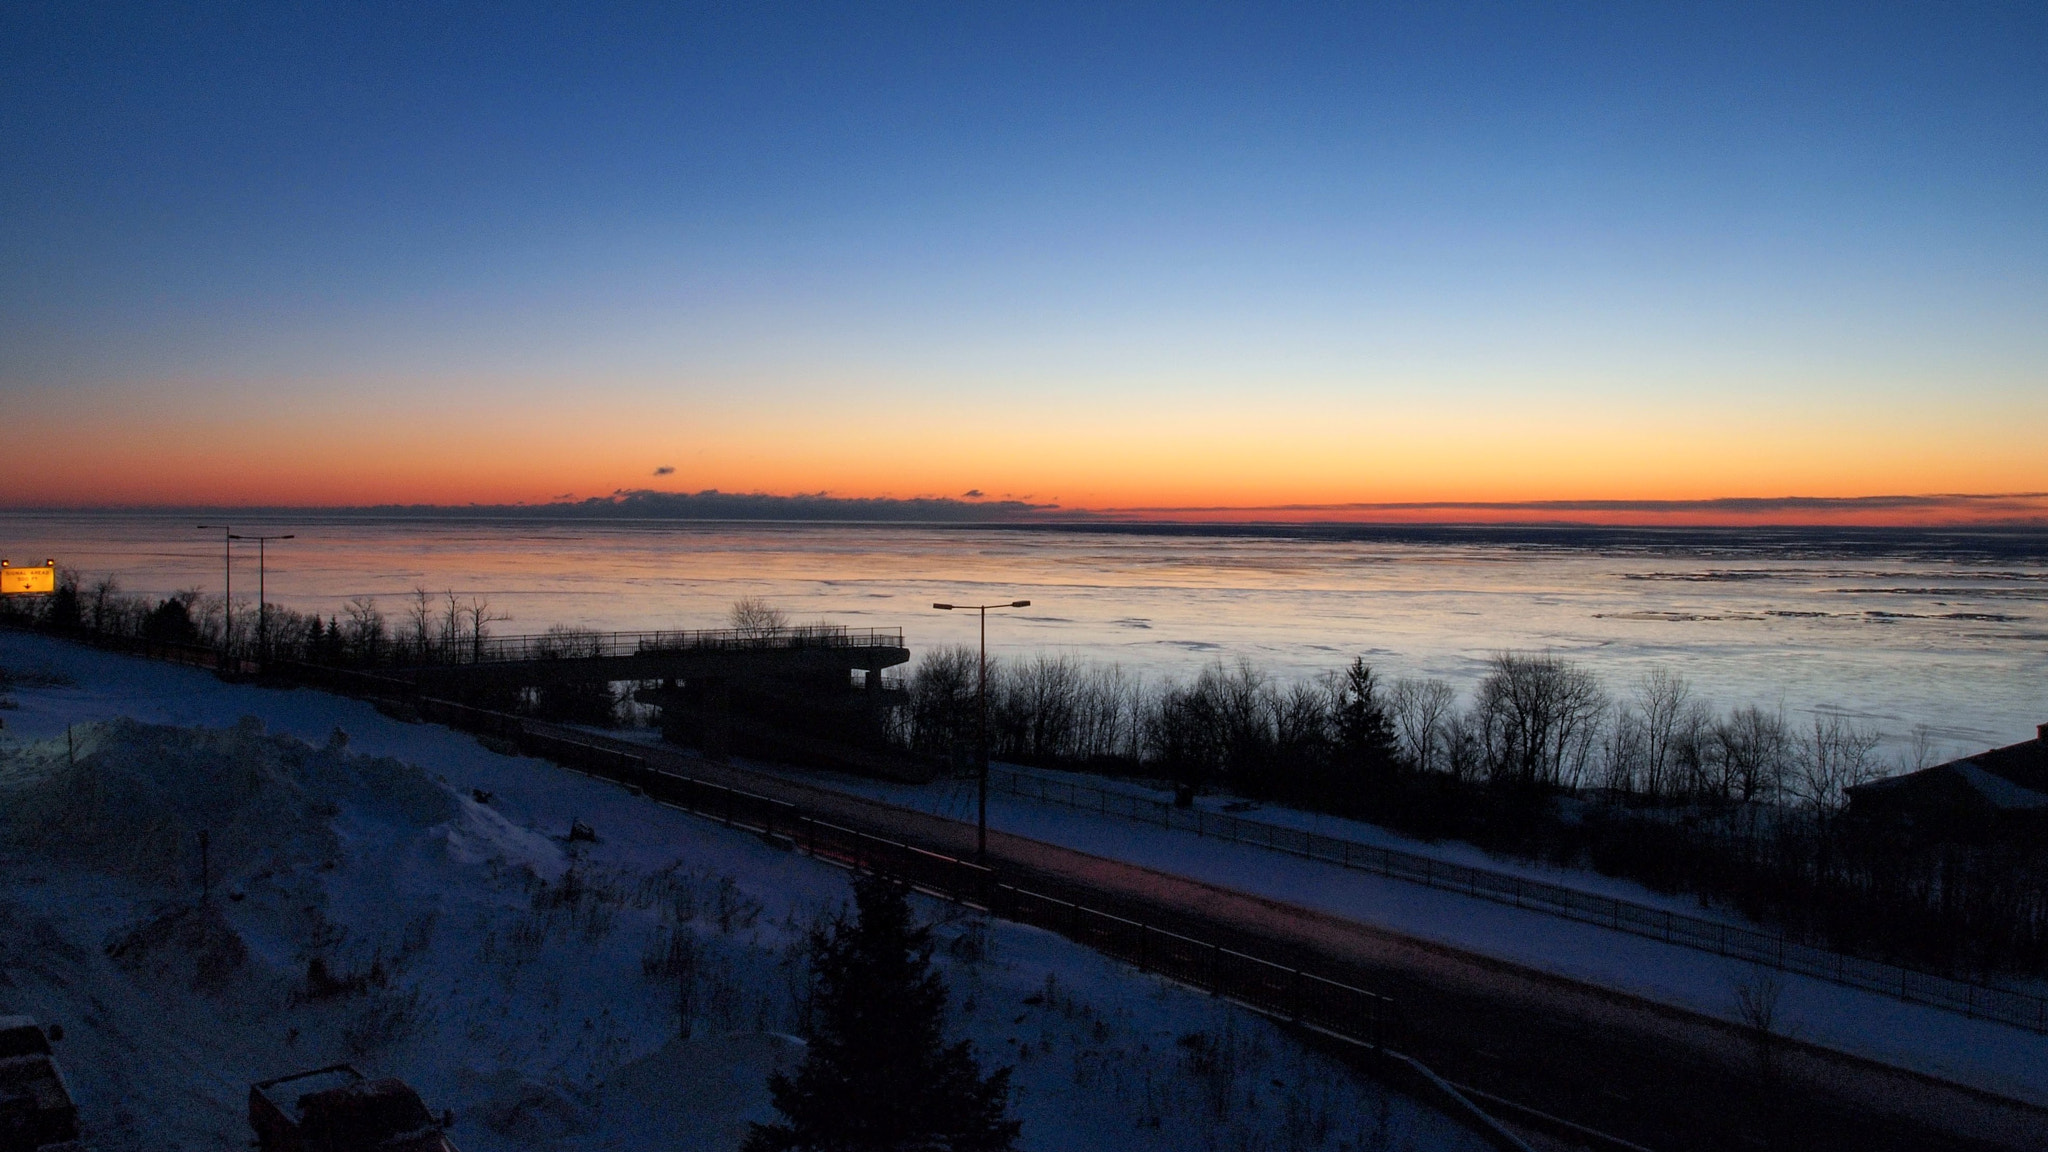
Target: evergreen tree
{"x":1367,"y":746}
{"x":170,"y":621}
{"x":63,"y":610}
{"x":879,"y":1076}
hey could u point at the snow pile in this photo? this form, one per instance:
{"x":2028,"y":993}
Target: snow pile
{"x":131,"y":799}
{"x":185,"y":945}
{"x":682,"y":1095}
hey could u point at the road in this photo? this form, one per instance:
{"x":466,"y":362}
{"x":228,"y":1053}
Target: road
{"x":1662,"y":1077}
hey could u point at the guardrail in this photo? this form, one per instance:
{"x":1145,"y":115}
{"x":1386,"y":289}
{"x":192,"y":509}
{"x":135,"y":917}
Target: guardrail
{"x":1971,"y":999}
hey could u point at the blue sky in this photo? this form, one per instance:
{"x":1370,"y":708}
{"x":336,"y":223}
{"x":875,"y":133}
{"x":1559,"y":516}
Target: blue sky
{"x":233,"y":223}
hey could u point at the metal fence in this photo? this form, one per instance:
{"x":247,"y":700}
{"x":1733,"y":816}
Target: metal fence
{"x":1969,"y":998}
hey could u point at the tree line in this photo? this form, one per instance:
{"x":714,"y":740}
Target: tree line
{"x":1746,"y":808}
{"x":427,"y":628}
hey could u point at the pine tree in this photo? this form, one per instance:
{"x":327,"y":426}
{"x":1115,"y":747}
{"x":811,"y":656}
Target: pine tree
{"x":1367,"y":745}
{"x":879,"y":1076}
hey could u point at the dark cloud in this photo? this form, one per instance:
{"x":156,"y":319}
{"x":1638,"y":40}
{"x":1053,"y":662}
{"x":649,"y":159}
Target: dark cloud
{"x":2019,"y":508}
{"x":971,"y":494}
{"x":665,"y":470}
{"x":711,"y":504}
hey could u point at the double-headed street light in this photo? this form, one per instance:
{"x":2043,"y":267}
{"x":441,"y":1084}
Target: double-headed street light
{"x":227,"y":625}
{"x":262,"y":603}
{"x":981,"y":811}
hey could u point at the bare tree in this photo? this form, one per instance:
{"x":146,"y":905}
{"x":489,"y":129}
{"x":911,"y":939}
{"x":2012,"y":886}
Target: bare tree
{"x":1835,"y":757}
{"x":1662,"y":699}
{"x":1753,"y":749}
{"x":365,"y":629}
{"x":450,"y":637}
{"x":942,"y":700}
{"x":480,"y":620}
{"x":1695,"y":773}
{"x":1105,"y":714}
{"x":419,"y":619}
{"x":756,"y":619}
{"x":1245,"y":705}
{"x":1303,"y":712}
{"x":1622,"y":750}
{"x":1925,"y":751}
{"x":1422,"y":710}
{"x":1046,"y":695}
{"x":1758,"y":1004}
{"x":1464,"y":751}
{"x":1538,"y":719}
{"x":103,"y":596}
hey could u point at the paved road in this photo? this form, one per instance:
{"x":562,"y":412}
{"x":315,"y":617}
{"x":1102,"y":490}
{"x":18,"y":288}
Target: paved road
{"x":1669,"y":1079}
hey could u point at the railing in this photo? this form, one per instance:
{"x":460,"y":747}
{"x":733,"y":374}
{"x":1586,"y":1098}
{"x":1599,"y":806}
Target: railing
{"x":1972,"y":999}
{"x":572,"y":645}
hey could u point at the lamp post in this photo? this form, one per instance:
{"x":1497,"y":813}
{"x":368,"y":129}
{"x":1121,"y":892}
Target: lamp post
{"x":227,"y":596}
{"x":981,"y":739}
{"x":262,"y":604}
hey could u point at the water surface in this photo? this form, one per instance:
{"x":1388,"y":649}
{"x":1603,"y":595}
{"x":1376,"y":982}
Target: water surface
{"x":1902,"y":629}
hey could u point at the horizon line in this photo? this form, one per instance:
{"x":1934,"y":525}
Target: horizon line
{"x":1928,"y":510}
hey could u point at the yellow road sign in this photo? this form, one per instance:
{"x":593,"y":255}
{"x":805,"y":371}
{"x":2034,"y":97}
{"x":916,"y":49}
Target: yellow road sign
{"x":15,"y":581}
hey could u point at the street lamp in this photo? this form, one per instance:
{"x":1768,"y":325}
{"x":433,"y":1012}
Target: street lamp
{"x":981,"y":810}
{"x":227,"y":580}
{"x":262,"y":604}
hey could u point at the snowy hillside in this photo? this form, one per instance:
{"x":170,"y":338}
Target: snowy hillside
{"x":396,"y":896}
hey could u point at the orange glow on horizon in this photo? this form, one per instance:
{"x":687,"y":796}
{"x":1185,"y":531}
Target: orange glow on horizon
{"x":1212,"y":458}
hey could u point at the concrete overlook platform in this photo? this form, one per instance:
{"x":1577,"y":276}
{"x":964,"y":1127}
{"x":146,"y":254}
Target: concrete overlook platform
{"x":567,"y":657}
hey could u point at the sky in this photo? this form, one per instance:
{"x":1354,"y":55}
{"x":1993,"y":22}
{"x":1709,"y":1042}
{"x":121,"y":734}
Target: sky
{"x":1161,"y":258}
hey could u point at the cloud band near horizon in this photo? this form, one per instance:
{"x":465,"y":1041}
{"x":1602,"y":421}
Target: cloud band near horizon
{"x":2008,"y":509}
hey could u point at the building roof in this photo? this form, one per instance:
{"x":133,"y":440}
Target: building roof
{"x":2010,"y":779}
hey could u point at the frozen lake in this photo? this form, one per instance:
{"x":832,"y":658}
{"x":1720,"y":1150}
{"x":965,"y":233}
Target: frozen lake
{"x":1949,"y":630}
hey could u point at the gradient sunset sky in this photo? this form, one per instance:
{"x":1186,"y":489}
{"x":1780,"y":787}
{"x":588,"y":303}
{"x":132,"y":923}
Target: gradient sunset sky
{"x":1109,"y":256}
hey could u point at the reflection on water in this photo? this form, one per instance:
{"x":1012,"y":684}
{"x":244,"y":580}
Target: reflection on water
{"x":1900,"y":629}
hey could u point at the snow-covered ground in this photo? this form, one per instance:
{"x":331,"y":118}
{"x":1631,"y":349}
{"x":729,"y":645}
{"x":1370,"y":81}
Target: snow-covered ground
{"x":372,"y":903}
{"x":1979,"y":1053}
